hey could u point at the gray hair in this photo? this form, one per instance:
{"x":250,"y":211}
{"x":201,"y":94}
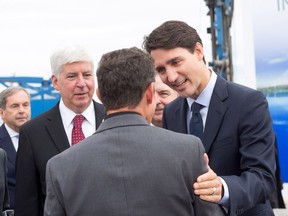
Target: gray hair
{"x":8,"y":92}
{"x":67,"y":55}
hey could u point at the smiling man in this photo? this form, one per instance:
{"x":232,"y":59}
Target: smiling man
{"x":233,"y":122}
{"x":53,"y":131}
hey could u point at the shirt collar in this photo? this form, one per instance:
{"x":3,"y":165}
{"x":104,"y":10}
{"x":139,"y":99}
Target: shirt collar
{"x":10,"y":131}
{"x":68,"y":115}
{"x":205,"y":96}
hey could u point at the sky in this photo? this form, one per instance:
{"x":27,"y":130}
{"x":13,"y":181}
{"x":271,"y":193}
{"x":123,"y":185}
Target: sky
{"x":32,"y":29}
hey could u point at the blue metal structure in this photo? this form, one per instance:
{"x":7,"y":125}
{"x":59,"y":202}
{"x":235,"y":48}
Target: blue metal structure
{"x":43,"y":95}
{"x":221,"y":13}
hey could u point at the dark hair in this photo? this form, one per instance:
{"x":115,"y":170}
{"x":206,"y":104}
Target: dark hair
{"x":123,"y":76}
{"x":172,"y":34}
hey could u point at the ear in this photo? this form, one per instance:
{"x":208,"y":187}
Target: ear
{"x":98,"y":94}
{"x":198,"y":51}
{"x":55,"y":82}
{"x":1,"y":112}
{"x":150,"y":93}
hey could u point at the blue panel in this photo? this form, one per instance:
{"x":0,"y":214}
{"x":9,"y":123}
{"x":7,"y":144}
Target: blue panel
{"x":278,"y":108}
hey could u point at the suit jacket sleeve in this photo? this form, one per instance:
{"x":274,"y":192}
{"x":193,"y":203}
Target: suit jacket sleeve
{"x":4,"y":201}
{"x":256,"y":139}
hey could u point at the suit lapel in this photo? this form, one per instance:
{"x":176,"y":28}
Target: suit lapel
{"x":182,"y":113}
{"x":99,"y":113}
{"x":175,"y":114}
{"x":56,"y":129}
{"x":216,"y":112}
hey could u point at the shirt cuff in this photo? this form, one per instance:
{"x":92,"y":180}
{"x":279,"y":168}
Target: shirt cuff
{"x":224,"y":202}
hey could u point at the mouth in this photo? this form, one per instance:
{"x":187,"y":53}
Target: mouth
{"x":80,"y":94}
{"x":21,"y":119}
{"x":179,"y":84}
{"x":158,"y":110}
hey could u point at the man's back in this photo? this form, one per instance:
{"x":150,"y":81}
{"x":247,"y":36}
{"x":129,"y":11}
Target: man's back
{"x":133,"y":169}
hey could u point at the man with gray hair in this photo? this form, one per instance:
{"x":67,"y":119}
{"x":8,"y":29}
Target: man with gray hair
{"x":15,"y":110}
{"x":73,"y":118}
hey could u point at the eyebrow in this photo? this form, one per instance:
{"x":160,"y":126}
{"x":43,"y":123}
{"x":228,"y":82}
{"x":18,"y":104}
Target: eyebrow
{"x":172,"y":60}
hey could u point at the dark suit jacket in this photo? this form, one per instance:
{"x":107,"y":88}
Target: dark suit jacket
{"x":40,"y":139}
{"x":239,"y":140}
{"x":4,"y":202}
{"x":128,"y":168}
{"x":7,"y":144}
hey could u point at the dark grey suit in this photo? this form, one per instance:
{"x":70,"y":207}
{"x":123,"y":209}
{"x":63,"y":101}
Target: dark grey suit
{"x":40,"y":139}
{"x":4,"y":204}
{"x":128,"y":168}
{"x":239,"y":140}
{"x":7,"y":144}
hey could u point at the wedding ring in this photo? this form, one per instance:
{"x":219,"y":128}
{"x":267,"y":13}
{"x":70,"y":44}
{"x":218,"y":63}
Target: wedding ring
{"x":214,"y":191}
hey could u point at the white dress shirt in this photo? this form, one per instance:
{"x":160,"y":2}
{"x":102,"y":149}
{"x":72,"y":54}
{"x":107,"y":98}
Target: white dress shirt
{"x":13,"y":135}
{"x":67,"y":115}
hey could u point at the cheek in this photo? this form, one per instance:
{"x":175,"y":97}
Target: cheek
{"x":91,"y":85}
{"x":167,"y":100}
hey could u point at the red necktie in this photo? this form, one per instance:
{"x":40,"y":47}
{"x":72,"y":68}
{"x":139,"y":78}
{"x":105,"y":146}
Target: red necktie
{"x":77,"y":133}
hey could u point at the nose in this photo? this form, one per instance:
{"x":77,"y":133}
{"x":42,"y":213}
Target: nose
{"x":157,"y":98}
{"x":81,"y":82}
{"x":171,"y":75}
{"x":21,"y":109}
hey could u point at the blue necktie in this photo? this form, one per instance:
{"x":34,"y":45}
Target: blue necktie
{"x":196,"y":123}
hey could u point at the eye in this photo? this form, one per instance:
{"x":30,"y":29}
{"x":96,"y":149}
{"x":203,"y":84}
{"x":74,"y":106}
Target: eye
{"x":26,"y":104}
{"x":87,"y":75}
{"x":164,"y":94}
{"x":14,"y":106}
{"x":175,"y":62}
{"x":161,"y":70}
{"x":70,"y":76}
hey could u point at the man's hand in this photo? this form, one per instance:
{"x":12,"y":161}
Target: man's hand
{"x":208,"y":186}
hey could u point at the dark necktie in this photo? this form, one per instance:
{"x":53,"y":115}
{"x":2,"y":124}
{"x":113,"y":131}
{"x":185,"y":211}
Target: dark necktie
{"x":77,"y":133}
{"x":196,"y":123}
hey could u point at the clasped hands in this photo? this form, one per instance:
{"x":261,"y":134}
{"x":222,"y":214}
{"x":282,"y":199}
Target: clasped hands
{"x":208,"y":186}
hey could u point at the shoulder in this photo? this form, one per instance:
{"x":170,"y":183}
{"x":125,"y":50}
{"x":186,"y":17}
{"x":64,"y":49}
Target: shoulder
{"x":99,"y":107}
{"x":175,"y":103}
{"x":43,"y":118}
{"x":234,"y":90}
{"x":173,"y":137}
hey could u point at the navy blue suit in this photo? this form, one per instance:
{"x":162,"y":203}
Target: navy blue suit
{"x":239,"y":140}
{"x":7,"y":145}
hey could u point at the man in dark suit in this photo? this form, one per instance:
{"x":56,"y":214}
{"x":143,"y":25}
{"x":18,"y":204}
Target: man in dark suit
{"x":238,"y":134}
{"x":4,"y":202}
{"x":128,"y":167}
{"x":15,"y":110}
{"x":51,"y":132}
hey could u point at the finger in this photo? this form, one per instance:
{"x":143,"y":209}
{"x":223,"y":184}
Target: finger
{"x":206,"y":187}
{"x":214,"y":198}
{"x":206,"y":159}
{"x":211,"y":195}
{"x":208,"y":176}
